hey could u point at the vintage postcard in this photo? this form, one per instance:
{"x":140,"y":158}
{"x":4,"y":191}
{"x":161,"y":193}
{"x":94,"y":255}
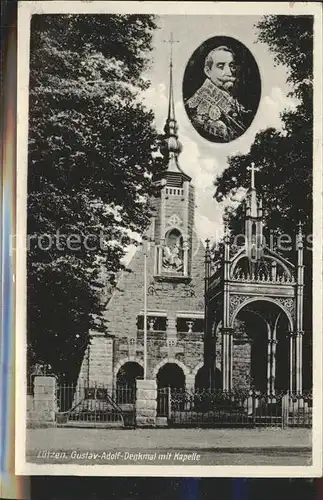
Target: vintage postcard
{"x":169,"y":239}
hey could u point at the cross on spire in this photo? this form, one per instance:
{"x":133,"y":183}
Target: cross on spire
{"x":171,"y":107}
{"x":171,"y":147}
{"x":171,"y":42}
{"x":253,"y":169}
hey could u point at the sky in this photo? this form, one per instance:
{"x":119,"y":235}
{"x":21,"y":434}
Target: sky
{"x":201,"y":159}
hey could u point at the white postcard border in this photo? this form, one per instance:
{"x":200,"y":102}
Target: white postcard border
{"x":25,"y":10}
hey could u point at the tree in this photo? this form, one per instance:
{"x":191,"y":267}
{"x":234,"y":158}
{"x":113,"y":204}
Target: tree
{"x":89,"y":172}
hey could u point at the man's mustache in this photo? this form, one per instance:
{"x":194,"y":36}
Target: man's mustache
{"x":227,"y":79}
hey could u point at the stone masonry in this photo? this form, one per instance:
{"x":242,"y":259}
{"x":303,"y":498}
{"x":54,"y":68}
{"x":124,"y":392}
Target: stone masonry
{"x":146,"y":403}
{"x":42,"y":405}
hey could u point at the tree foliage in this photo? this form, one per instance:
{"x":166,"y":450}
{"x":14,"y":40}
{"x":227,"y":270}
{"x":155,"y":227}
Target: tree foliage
{"x":89,"y":172}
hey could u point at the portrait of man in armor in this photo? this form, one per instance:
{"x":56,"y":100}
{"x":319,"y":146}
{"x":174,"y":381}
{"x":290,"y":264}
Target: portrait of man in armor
{"x":214,"y":108}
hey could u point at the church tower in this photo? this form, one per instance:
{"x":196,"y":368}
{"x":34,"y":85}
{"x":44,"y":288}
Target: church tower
{"x":174,"y":222}
{"x":165,"y":287}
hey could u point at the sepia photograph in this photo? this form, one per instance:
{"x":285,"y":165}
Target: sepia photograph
{"x":169,"y":239}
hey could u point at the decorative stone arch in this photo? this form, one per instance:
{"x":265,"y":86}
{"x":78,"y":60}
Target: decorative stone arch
{"x":129,"y":359}
{"x":257,"y":299}
{"x":197,"y":368}
{"x":173,"y":228}
{"x":216,"y":327}
{"x":185,"y":369}
{"x":238,"y":256}
{"x":200,"y":365}
{"x":271,"y":253}
{"x":174,"y":251}
{"x":269,"y":256}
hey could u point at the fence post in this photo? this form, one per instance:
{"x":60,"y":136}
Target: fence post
{"x":169,"y":403}
{"x":45,"y":403}
{"x":285,"y":410}
{"x":146,"y":403}
{"x":254,"y":407}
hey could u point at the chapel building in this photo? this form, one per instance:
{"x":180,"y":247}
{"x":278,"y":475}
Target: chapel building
{"x":172,"y":273}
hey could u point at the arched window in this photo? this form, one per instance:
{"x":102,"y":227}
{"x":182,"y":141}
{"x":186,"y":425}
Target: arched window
{"x":173,"y":254}
{"x":170,"y":377}
{"x":126,"y":382}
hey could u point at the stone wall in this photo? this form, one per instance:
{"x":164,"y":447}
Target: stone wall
{"x":188,"y":354}
{"x":241,"y":372}
{"x":241,"y":356}
{"x":101,"y":360}
{"x":30,"y":408}
{"x":97,"y":365}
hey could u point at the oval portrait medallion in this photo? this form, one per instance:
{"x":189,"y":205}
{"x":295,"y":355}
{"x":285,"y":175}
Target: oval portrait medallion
{"x":221,"y":89}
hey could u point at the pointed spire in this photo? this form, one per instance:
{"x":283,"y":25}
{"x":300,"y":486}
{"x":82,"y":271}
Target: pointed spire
{"x":171,"y":147}
{"x":171,"y":127}
{"x":207,"y":262}
{"x":171,"y":107}
{"x":300,"y":227}
{"x":253,"y":191}
{"x":300,"y":235}
{"x":254,"y":220}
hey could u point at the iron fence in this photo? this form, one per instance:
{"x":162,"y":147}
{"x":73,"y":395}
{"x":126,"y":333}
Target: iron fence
{"x":300,"y":410}
{"x":211,"y":408}
{"x":30,"y":386}
{"x":83,"y":404}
